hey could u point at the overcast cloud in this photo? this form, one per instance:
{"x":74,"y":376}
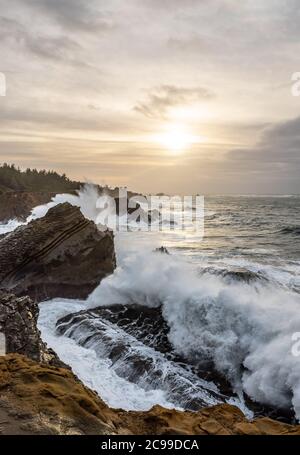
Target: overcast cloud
{"x":89,"y":84}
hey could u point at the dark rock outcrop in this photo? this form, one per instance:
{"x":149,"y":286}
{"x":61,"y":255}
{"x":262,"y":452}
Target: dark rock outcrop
{"x":19,"y":204}
{"x":162,"y":250}
{"x":132,"y":324}
{"x":236,"y":274}
{"x":60,"y":255}
{"x":145,"y":324}
{"x":18,"y":323}
{"x":124,"y":334}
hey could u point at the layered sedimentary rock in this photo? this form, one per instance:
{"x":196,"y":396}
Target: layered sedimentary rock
{"x":40,"y":399}
{"x":18,"y":324}
{"x":60,"y":255}
{"x":19,"y":204}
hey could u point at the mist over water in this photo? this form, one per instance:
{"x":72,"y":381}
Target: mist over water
{"x":231,"y":299}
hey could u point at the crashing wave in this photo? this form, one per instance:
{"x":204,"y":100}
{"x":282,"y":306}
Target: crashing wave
{"x":138,"y":363}
{"x":245,"y":330}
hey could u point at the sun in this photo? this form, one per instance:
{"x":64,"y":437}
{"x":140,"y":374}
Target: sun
{"x":176,"y":139}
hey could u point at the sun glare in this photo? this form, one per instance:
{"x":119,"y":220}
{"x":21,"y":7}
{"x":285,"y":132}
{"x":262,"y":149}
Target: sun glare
{"x":176,"y":139}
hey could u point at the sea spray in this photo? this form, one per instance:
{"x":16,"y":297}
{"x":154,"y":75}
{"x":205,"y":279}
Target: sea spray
{"x":244,"y":328}
{"x":95,"y":372}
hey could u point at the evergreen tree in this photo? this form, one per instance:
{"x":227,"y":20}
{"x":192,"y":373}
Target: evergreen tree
{"x":12,"y":178}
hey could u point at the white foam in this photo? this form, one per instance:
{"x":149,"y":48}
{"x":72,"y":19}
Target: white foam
{"x":85,"y":199}
{"x":234,"y":325}
{"x":10,"y":226}
{"x":95,"y":372}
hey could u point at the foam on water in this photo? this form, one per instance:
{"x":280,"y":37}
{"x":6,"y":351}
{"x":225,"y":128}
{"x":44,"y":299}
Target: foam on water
{"x":95,"y":372}
{"x":236,"y":325}
{"x":85,"y":199}
{"x":244,"y":328}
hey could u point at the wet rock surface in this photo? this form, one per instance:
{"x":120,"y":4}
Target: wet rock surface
{"x":135,"y":339}
{"x":18,"y":323}
{"x":60,"y":255}
{"x":148,"y":326}
{"x":64,"y":255}
{"x":238,"y":274}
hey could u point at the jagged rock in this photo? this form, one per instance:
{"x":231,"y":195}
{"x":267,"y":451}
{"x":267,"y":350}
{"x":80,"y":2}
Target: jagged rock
{"x":18,"y":205}
{"x":161,"y":249}
{"x":40,"y":399}
{"x":236,"y":273}
{"x":18,"y":323}
{"x":93,"y":328}
{"x":145,"y":324}
{"x":60,"y":255}
{"x":244,"y":275}
{"x":142,"y":326}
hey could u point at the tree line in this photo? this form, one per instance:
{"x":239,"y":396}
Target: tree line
{"x":12,"y":178}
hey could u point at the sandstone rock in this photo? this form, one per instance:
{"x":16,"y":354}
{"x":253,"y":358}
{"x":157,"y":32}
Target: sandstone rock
{"x":18,"y":323}
{"x":60,"y":255}
{"x":223,"y":419}
{"x":18,"y":205}
{"x":50,"y":400}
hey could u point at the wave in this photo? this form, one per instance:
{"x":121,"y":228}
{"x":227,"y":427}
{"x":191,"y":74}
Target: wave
{"x":245,"y":330}
{"x":138,"y":362}
{"x":244,"y":327}
{"x":86,"y":199}
{"x":95,"y":372}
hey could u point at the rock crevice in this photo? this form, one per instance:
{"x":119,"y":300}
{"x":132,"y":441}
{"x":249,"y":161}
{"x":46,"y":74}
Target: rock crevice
{"x":18,"y":323}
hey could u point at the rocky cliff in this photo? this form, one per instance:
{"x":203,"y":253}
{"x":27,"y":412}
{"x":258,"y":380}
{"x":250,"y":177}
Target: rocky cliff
{"x":19,"y":204}
{"x":41,"y":399}
{"x":65,"y":255}
{"x":60,"y":255}
{"x":18,"y":323}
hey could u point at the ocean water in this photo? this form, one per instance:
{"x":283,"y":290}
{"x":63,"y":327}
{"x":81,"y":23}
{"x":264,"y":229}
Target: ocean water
{"x":230,"y":303}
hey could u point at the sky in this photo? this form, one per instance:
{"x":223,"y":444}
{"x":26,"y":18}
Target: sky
{"x":158,"y":95}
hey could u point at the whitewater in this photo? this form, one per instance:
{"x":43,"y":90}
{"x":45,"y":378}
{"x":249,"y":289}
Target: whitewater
{"x":231,"y":300}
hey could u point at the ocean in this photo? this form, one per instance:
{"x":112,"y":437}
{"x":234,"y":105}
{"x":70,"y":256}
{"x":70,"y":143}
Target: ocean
{"x":214,"y":320}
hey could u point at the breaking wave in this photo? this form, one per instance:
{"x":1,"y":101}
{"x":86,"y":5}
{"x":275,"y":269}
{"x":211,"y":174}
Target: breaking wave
{"x":244,"y":328}
{"x":242,"y":323}
{"x":86,"y":199}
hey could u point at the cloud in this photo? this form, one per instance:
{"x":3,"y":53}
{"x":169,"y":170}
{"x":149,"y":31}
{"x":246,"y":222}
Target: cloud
{"x":160,"y":99}
{"x":79,"y":15}
{"x":276,"y":158}
{"x":51,"y":47}
{"x":242,"y":51}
